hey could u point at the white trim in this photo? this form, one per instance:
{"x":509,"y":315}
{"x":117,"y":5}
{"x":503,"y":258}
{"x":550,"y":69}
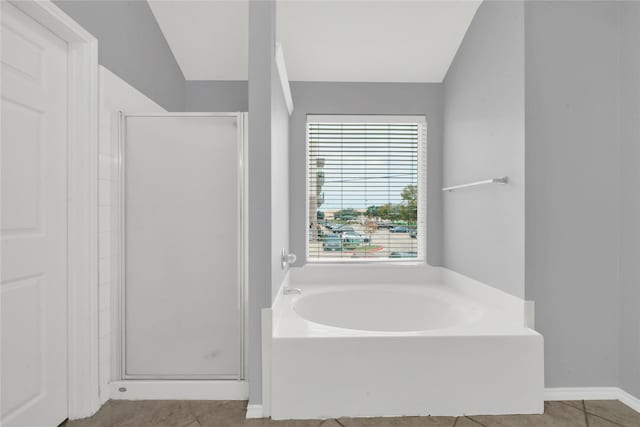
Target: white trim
{"x":422,"y":196}
{"x":82,"y":286}
{"x":179,"y":390}
{"x":367,"y":118}
{"x":188,"y":114}
{"x":254,"y":411}
{"x":284,"y":79}
{"x":267,"y":328}
{"x":410,"y":262}
{"x":592,"y":393}
{"x":243,"y":204}
{"x":422,"y":190}
{"x":629,"y":400}
{"x":245,"y":241}
{"x":581,"y":393}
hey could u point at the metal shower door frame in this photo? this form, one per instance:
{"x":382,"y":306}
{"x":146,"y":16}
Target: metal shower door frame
{"x":241,"y":124}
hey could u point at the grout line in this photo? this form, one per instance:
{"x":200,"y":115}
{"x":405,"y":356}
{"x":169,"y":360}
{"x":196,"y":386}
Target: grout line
{"x":195,"y":416}
{"x":475,"y":421}
{"x":587,"y":413}
{"x":603,"y":418}
{"x":339,"y":422}
{"x":563,"y":403}
{"x":191,"y":422}
{"x":584,"y":411}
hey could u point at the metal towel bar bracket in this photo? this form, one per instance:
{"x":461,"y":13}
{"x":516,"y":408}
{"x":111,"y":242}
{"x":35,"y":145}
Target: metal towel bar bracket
{"x":503,"y":180}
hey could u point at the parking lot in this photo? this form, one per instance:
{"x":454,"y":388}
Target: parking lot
{"x":381,"y":245}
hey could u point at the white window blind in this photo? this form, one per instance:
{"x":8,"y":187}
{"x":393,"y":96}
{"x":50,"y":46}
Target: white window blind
{"x":366,"y":188}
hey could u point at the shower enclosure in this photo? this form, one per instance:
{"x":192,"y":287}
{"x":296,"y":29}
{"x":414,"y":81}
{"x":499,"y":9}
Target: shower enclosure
{"x":181,"y":248}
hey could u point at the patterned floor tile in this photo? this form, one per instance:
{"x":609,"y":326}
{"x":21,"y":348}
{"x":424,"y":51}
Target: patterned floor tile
{"x":596,"y":421}
{"x":219,"y":413}
{"x":555,"y":414}
{"x":230,"y":413}
{"x":466,"y":422}
{"x":615,"y":411}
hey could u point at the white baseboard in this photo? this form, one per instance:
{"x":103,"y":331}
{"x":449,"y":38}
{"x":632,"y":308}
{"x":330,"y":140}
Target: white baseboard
{"x":179,"y":390}
{"x":592,"y":393}
{"x":629,"y":400}
{"x":581,"y":393}
{"x":254,"y":411}
{"x":267,"y":324}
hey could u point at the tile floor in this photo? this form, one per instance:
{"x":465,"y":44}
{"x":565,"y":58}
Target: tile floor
{"x":167,"y":413}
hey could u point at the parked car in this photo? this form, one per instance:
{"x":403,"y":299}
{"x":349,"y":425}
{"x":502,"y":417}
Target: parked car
{"x":403,"y":255}
{"x":344,"y":229}
{"x":386,"y":224}
{"x":365,"y":238}
{"x":350,"y":240}
{"x":400,"y":229}
{"x":413,"y":233}
{"x":332,"y":242}
{"x":354,"y":239}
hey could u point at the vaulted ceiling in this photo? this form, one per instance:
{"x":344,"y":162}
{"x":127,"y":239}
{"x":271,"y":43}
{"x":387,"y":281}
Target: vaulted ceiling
{"x":323,"y":40}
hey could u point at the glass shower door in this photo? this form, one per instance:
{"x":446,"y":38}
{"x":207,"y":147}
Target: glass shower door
{"x":182,"y":262}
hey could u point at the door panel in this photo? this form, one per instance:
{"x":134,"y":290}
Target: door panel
{"x":34,"y":223}
{"x":182,"y":264}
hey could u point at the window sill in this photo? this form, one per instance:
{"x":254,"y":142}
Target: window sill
{"x":371,"y":262}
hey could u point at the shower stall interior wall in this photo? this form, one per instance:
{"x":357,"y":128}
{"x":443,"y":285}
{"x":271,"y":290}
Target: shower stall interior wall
{"x":182,"y":292}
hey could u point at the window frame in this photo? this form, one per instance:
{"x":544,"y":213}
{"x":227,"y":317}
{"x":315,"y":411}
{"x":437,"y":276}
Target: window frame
{"x":421,"y":121}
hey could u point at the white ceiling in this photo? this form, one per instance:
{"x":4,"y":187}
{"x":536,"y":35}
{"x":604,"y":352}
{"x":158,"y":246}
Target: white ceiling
{"x":209,"y":39}
{"x":374,"y":41}
{"x":322,"y":40}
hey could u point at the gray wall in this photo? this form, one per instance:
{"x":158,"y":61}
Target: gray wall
{"x":484,"y":138}
{"x":132,"y":46}
{"x":279,"y":180}
{"x":217,"y":95}
{"x":262,"y":21}
{"x":630,"y":197}
{"x":572,"y":188}
{"x":366,"y":98}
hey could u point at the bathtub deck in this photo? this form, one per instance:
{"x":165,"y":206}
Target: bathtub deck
{"x":401,"y":376}
{"x":492,"y":365}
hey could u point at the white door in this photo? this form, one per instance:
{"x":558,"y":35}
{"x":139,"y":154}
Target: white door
{"x":34,"y":223}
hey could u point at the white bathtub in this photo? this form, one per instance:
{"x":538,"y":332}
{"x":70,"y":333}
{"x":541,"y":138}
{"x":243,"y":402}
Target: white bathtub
{"x":446,"y":345}
{"x":384,"y":308}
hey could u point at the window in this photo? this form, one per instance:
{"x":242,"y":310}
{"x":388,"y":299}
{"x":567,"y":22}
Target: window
{"x":366,"y":188}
